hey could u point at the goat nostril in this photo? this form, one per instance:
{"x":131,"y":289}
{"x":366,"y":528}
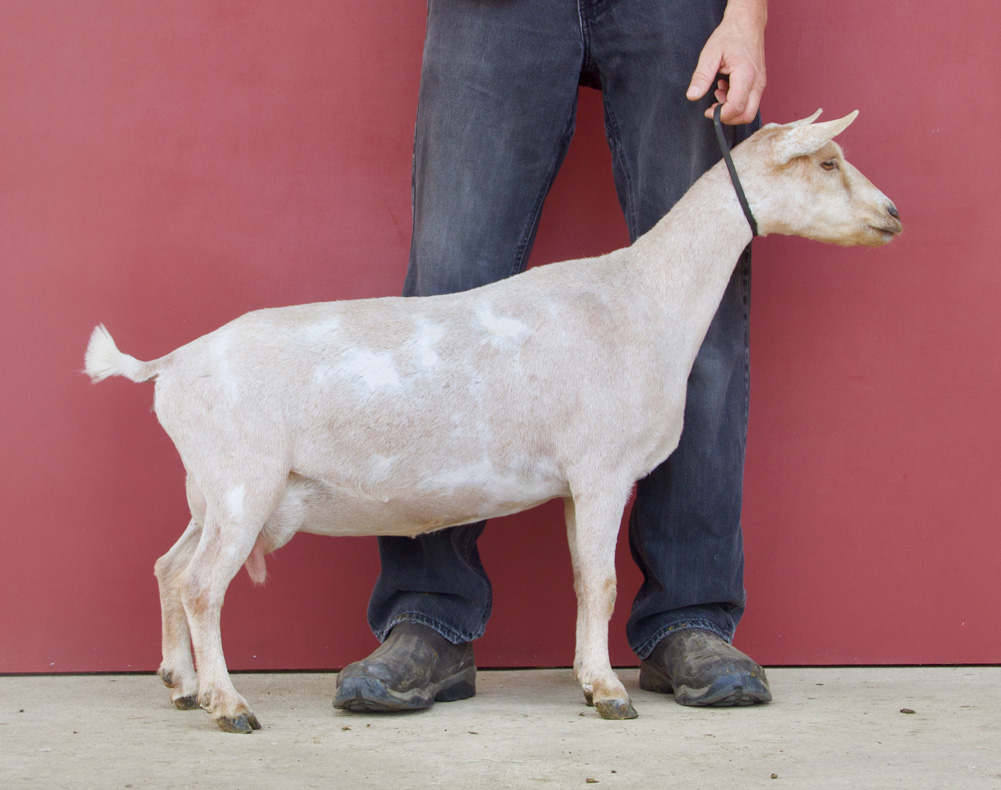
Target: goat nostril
{"x":892,"y":210}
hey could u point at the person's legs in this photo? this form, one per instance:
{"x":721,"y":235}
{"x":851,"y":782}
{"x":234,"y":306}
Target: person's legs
{"x":685,"y":531}
{"x":496,"y":113}
{"x":497,"y":105}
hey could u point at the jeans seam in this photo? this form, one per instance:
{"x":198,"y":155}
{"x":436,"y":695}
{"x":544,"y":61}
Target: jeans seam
{"x":612,"y":135}
{"x":536,"y":212}
{"x":584,"y":39}
{"x":746,"y":275}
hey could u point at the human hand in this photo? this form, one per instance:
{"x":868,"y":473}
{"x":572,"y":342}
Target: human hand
{"x":735,"y":49}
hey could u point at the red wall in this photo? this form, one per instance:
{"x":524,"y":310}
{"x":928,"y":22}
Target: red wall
{"x":165,"y":167}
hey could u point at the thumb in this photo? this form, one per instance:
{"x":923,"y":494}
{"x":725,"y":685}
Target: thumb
{"x":706,"y":70}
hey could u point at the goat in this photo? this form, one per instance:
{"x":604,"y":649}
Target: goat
{"x":398,"y":416}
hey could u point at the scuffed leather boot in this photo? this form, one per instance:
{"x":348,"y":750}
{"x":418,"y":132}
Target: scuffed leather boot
{"x":414,"y":668}
{"x":703,"y":669}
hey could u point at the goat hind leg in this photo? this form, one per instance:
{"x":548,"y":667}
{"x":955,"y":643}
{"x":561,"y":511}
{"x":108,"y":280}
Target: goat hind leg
{"x":225,"y":544}
{"x":177,"y":670}
{"x":592,"y":529}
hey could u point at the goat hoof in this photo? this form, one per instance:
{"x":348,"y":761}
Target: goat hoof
{"x":189,"y":702}
{"x":589,"y":698}
{"x":616,"y":709}
{"x":244,"y":723}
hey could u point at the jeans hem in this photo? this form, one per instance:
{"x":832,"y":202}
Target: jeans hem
{"x":644,"y":650}
{"x":416,"y":618}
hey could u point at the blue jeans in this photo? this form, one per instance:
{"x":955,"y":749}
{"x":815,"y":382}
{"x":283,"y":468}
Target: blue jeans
{"x":498,"y":99}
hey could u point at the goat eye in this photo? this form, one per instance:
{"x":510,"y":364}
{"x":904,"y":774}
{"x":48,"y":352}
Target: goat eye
{"x":830,"y":164}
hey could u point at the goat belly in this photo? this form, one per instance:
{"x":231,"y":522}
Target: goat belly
{"x":323,"y":508}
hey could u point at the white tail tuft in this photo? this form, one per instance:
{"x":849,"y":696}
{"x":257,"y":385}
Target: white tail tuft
{"x":103,"y":359}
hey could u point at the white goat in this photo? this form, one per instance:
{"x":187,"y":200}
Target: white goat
{"x":401,"y":416}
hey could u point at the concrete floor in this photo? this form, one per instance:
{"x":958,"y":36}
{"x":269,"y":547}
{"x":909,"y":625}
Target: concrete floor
{"x":828,"y":728}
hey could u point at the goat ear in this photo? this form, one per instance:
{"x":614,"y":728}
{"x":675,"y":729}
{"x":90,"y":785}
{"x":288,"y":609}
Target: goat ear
{"x":806,"y":121}
{"x":803,"y":140}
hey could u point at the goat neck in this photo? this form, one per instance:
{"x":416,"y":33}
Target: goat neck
{"x":688,"y":257}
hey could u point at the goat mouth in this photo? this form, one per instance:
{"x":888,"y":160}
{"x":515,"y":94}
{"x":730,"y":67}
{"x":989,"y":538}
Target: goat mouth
{"x":887,"y":231}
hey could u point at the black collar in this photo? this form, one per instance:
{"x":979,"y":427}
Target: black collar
{"x":733,"y":171}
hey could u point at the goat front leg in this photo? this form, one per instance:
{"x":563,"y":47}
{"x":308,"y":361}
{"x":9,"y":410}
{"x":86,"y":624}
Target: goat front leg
{"x":177,"y":670}
{"x":592,"y":528}
{"x":224,"y":547}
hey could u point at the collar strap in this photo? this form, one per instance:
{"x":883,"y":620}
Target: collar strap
{"x":733,"y":171}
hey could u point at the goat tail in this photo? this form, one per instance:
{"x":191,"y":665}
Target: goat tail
{"x":103,"y":359}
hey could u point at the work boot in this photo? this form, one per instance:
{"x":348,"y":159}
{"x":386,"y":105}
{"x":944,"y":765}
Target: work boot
{"x":703,"y":669}
{"x":414,"y":668}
